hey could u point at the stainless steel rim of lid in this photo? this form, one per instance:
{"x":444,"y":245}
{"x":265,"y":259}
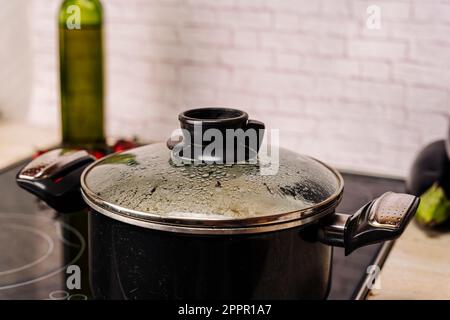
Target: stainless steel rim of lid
{"x":205,"y":226}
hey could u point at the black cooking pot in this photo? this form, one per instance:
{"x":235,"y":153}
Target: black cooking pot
{"x":162,"y":228}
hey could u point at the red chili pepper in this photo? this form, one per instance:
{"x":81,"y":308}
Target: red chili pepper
{"x":38,"y":153}
{"x":119,"y":146}
{"x":123,"y":145}
{"x":98,"y":154}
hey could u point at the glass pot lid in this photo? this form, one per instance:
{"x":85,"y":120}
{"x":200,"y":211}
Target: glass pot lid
{"x":144,"y":186}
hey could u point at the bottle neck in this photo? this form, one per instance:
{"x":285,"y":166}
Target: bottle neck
{"x":82,"y":12}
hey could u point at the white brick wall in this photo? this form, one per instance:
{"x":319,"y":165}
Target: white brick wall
{"x":357,"y":98}
{"x":15,"y":60}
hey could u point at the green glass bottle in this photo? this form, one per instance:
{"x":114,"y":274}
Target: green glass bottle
{"x":81,"y":73}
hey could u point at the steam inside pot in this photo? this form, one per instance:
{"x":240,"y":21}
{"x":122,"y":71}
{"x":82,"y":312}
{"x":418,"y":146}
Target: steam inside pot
{"x":144,"y":180}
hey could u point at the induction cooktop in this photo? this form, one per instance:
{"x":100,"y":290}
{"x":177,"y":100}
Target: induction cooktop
{"x":41,"y":249}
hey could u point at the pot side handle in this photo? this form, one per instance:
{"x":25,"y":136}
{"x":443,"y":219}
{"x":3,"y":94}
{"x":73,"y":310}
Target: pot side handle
{"x":54,"y":177}
{"x":382,"y":219}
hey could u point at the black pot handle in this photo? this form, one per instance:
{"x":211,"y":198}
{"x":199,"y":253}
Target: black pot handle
{"x":54,"y":177}
{"x":382,"y":219}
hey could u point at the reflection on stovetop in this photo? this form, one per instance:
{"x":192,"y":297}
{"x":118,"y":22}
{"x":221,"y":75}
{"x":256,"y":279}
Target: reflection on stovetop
{"x":36,"y":250}
{"x":37,"y":244}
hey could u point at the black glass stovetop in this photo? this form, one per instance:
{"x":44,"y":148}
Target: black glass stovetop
{"x":44,"y":254}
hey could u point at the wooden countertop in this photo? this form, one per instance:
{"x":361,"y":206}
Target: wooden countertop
{"x":18,"y":141}
{"x":418,"y":267}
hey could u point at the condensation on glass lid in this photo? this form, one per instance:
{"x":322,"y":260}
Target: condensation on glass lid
{"x":144,"y":180}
